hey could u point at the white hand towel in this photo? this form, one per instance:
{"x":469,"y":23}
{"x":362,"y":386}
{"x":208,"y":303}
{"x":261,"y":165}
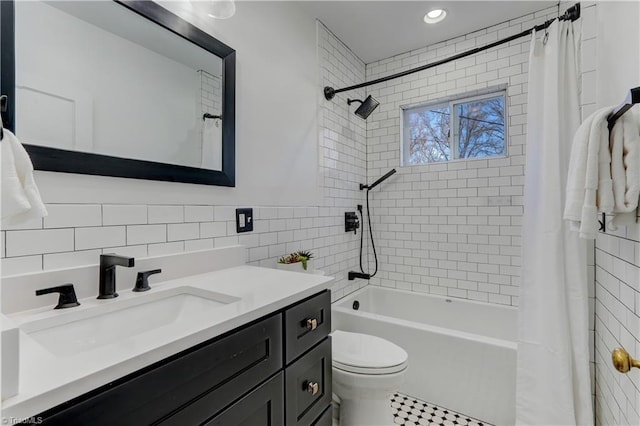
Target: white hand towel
{"x":20,"y":196}
{"x":604,"y":190}
{"x":589,"y":179}
{"x":625,"y":162}
{"x":577,"y":172}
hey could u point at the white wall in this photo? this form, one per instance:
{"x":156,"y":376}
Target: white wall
{"x":276,"y":113}
{"x":618,"y":50}
{"x":616,"y":59}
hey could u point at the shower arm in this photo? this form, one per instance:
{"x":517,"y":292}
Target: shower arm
{"x":378,"y":182}
{"x":571,"y":14}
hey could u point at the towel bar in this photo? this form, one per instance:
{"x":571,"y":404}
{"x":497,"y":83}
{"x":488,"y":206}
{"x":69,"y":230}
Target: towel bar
{"x":633,"y":97}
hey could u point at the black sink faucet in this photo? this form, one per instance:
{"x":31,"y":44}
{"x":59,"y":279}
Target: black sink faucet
{"x":108,"y":263}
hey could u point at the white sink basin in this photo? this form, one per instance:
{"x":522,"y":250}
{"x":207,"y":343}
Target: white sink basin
{"x":107,"y":323}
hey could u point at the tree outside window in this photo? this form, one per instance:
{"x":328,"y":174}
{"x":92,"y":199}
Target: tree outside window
{"x":476,"y":130}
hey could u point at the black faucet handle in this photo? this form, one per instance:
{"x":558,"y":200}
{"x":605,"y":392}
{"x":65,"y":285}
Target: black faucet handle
{"x":142,"y":280}
{"x":67,"y":297}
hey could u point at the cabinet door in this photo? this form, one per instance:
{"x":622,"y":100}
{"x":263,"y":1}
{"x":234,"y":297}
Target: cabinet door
{"x":306,"y":324}
{"x":326,"y":418}
{"x":308,"y":385}
{"x":199,"y":382}
{"x":262,"y":407}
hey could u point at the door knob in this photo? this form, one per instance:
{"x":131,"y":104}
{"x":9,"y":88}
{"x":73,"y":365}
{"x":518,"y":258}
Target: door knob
{"x":622,"y":361}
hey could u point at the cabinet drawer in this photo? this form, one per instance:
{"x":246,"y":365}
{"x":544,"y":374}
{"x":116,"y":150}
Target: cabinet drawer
{"x":248,"y":357}
{"x":306,"y":324}
{"x":308,"y":385}
{"x":262,"y":407}
{"x":212,"y":375}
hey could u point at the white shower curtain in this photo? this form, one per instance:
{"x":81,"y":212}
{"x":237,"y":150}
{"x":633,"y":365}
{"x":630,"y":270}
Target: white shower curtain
{"x":553,"y":383}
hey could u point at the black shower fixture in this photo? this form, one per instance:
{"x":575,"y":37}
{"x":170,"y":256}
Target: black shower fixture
{"x":571,"y":14}
{"x":211,"y":116}
{"x":379,"y":181}
{"x":364,"y":275}
{"x":366,"y":107}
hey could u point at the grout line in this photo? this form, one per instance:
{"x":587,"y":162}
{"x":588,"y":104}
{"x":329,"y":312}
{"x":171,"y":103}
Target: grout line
{"x":615,"y":257}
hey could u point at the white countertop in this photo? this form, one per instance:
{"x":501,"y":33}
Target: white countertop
{"x":47,"y":380}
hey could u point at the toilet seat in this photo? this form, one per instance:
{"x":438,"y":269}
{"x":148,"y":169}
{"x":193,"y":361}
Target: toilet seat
{"x":365,"y":354}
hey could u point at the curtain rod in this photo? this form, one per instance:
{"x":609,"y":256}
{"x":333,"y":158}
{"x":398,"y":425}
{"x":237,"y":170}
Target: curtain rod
{"x":571,"y":13}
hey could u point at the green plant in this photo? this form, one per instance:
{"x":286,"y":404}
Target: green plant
{"x":301,"y":256}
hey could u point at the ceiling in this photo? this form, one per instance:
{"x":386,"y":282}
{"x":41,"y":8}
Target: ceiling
{"x":376,"y":30}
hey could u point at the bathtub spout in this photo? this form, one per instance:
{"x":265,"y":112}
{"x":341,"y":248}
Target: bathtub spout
{"x":353,"y":275}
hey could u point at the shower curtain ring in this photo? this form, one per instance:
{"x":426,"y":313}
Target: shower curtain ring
{"x":546,"y":36}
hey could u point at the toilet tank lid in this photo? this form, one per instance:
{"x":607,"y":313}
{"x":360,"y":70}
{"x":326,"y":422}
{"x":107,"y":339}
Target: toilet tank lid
{"x":364,"y":350}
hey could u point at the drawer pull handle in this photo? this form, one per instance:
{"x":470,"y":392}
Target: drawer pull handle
{"x":313,"y":387}
{"x":312,"y":323}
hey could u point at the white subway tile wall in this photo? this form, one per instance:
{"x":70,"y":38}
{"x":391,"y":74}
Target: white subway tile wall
{"x":124,"y":214}
{"x":451,"y":228}
{"x":278,"y":230}
{"x":210,"y":93}
{"x":617,"y":324}
{"x":29,"y":242}
{"x":75,"y":234}
{"x":63,"y":216}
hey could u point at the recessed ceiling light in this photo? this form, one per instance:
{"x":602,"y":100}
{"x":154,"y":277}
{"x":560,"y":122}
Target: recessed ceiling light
{"x":434,"y":16}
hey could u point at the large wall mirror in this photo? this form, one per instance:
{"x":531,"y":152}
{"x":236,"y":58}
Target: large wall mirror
{"x":118,"y":88}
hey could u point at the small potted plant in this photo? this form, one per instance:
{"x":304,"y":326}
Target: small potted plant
{"x":298,"y":261}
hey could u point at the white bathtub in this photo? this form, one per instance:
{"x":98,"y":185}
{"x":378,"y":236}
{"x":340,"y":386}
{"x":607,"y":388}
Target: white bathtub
{"x":462,"y":354}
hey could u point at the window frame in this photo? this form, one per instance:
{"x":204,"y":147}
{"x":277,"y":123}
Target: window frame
{"x":451,"y":102}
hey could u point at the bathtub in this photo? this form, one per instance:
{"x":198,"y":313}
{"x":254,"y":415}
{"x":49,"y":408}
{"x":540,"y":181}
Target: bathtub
{"x":462,"y":354}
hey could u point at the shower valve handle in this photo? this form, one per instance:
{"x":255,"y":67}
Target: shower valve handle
{"x":351,"y":222}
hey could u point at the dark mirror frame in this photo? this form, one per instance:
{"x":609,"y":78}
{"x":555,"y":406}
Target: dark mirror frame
{"x":60,"y":160}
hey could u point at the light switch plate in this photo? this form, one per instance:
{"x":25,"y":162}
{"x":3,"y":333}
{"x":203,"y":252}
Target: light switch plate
{"x":244,"y":220}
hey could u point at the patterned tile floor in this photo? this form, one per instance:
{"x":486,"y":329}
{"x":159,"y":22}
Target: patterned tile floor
{"x":409,"y":411}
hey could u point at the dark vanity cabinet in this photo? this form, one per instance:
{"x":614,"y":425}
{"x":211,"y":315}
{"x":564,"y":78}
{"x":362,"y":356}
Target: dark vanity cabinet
{"x":273,"y":371}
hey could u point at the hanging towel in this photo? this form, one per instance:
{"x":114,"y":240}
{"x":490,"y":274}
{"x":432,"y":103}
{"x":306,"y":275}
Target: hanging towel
{"x":589,"y":185}
{"x":625,"y":167}
{"x":20,"y":196}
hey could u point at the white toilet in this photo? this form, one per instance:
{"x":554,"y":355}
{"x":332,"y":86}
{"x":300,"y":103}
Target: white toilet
{"x":366,"y":369}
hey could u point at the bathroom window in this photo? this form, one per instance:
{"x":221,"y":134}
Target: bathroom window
{"x":456,"y":129}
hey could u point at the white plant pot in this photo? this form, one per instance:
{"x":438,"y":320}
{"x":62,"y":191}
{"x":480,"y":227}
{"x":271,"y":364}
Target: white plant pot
{"x":297,"y":267}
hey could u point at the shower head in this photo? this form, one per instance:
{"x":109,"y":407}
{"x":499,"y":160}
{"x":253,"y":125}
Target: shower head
{"x":366,"y":107}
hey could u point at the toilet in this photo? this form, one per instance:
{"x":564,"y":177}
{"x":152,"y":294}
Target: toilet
{"x":366,"y":370}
